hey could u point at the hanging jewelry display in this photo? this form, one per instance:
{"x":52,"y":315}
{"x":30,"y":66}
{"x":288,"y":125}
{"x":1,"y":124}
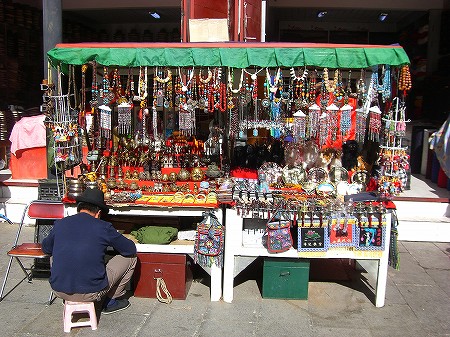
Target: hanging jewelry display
{"x":94,"y":87}
{"x":374,"y":123}
{"x":124,"y":119}
{"x":313,"y":120}
{"x":346,"y":119}
{"x":333,"y":116}
{"x":62,"y":121}
{"x":299,"y":125}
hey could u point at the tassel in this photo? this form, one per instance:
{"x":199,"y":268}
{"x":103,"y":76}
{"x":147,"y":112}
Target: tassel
{"x":394,"y":257}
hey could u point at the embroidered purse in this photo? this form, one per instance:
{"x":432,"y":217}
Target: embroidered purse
{"x":279,"y":237}
{"x":209,"y":242}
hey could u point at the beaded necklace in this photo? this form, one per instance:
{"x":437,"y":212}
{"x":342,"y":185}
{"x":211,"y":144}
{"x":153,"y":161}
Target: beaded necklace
{"x":165,"y":79}
{"x":207,"y":79}
{"x":404,"y":81}
{"x":330,"y":85}
{"x":273,"y":85}
{"x":230,"y":81}
{"x":94,"y":87}
{"x":299,"y":78}
{"x":104,"y":93}
{"x":82,"y":115}
{"x":185,"y":87}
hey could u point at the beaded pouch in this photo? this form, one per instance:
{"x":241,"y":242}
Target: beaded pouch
{"x":279,"y":238}
{"x":209,"y":242}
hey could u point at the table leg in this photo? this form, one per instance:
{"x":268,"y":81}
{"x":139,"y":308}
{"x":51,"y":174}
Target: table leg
{"x":233,"y":240}
{"x":216,"y":283}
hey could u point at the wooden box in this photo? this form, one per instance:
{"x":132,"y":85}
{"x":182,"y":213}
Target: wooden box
{"x":285,"y":278}
{"x":174,"y":269}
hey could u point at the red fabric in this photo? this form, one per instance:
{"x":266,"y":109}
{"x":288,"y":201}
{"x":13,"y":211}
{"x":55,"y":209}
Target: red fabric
{"x":244,"y":173}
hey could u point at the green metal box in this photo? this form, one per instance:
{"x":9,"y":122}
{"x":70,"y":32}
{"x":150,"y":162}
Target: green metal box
{"x":285,"y":278}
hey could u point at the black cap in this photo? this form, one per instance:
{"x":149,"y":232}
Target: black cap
{"x":95,"y":197}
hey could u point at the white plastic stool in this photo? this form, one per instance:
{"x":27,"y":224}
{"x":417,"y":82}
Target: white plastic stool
{"x":79,"y":307}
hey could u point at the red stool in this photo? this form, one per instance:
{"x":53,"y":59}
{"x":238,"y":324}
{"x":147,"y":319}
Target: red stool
{"x":79,"y":307}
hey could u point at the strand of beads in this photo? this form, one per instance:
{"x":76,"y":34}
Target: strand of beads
{"x":330,"y":85}
{"x":404,"y":81}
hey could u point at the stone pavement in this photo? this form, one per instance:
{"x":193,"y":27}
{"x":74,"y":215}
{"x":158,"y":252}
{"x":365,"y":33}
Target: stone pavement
{"x":417,"y":303}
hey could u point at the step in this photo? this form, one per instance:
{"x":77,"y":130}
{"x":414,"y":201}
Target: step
{"x":423,"y":219}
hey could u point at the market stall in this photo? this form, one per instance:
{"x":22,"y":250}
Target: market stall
{"x":307,"y":138}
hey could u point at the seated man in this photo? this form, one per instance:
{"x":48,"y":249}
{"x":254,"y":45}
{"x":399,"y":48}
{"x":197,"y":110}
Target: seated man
{"x":78,"y":245}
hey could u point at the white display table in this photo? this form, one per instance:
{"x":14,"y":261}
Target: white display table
{"x":236,"y":250}
{"x":138,"y":210}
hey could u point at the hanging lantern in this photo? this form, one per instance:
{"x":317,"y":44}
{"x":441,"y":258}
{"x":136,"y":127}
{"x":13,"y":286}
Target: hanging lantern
{"x":333,"y":113}
{"x":346,"y":119}
{"x":374,"y":123}
{"x":299,"y":125}
{"x":313,"y":120}
{"x":124,"y":118}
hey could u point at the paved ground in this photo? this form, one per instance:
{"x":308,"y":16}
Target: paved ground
{"x":417,"y":304}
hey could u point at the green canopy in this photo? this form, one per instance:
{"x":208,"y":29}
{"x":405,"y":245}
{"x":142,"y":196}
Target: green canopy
{"x":228,"y":54}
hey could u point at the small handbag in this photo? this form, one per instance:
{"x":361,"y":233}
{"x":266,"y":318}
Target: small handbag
{"x":279,"y":237}
{"x":209,"y":242}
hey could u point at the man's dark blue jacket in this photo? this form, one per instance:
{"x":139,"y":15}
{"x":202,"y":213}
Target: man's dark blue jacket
{"x":78,"y":244}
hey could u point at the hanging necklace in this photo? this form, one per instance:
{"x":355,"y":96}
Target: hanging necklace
{"x":273,"y":85}
{"x":223,"y":97}
{"x":298,"y":78}
{"x":185,"y":87}
{"x":404,"y":82}
{"x":94,"y":87}
{"x":207,"y":79}
{"x":165,"y":79}
{"x":82,"y":116}
{"x":230,"y":81}
{"x":72,"y":87}
{"x":330,"y":85}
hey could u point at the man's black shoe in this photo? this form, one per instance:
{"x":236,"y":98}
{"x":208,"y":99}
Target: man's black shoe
{"x":118,"y":305}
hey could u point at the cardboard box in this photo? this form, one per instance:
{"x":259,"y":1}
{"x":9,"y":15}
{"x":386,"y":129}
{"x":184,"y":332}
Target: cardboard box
{"x":208,"y":30}
{"x":174,"y":269}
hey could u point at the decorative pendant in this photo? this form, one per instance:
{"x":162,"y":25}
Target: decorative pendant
{"x":332,"y":112}
{"x":299,"y":125}
{"x":374,"y":123}
{"x":313,"y":120}
{"x":346,"y":119}
{"x":124,"y":118}
{"x":323,"y":129}
{"x":105,"y":121}
{"x":361,"y":121}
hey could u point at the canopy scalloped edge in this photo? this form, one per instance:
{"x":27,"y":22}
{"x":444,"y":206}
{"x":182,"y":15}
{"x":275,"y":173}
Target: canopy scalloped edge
{"x":228,"y":54}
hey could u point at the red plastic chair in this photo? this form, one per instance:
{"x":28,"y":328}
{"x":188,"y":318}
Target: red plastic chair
{"x":38,"y":210}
